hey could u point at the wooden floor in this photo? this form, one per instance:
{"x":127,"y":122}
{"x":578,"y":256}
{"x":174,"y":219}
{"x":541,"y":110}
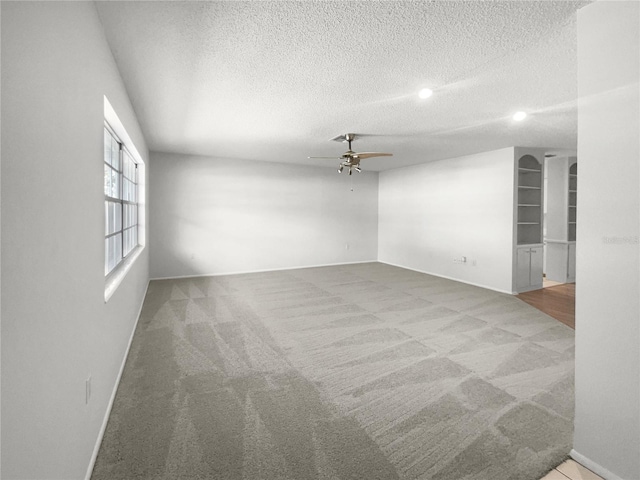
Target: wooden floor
{"x":558,"y":302}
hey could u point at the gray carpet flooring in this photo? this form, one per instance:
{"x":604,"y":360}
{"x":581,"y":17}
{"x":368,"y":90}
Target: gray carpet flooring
{"x":361,"y":371}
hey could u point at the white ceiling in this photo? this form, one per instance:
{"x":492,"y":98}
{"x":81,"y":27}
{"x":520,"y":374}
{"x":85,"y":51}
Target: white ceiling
{"x":275,"y":80}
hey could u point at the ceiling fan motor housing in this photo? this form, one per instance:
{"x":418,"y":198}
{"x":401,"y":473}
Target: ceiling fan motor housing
{"x":350,"y":158}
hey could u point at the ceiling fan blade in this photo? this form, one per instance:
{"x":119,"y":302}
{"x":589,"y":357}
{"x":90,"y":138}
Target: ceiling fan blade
{"x":343,"y":138}
{"x":362,"y":155}
{"x":332,"y":158}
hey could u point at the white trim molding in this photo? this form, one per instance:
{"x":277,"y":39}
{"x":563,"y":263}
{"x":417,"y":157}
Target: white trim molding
{"x":117,"y":276}
{"x":449,"y":278}
{"x":107,"y":413}
{"x":264,"y":271}
{"x":593,"y":466}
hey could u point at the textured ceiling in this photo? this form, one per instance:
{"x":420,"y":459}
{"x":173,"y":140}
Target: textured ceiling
{"x":275,"y":80}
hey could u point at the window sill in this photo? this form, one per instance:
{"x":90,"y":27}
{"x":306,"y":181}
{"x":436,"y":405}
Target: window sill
{"x":117,"y":276}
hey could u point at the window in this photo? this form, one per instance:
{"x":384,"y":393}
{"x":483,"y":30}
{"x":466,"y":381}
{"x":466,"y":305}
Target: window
{"x":120,"y":201}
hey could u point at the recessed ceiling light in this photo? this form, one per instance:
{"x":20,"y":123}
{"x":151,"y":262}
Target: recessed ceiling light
{"x":519,"y":116}
{"x":425,"y":93}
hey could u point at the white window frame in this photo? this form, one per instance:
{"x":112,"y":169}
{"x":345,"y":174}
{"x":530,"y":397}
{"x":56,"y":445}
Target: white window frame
{"x":115,"y":277}
{"x":125,"y":198}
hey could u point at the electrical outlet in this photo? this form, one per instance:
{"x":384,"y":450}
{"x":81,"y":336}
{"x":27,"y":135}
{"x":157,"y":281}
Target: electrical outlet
{"x":87,"y":390}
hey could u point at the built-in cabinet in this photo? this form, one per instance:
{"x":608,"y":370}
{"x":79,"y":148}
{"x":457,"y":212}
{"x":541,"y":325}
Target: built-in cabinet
{"x":528,"y":268}
{"x":571,"y":261}
{"x":528,"y":253}
{"x":562,"y":191}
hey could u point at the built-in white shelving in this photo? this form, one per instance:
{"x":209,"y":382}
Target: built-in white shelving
{"x":573,"y":202}
{"x":528,"y":251}
{"x":529,"y":201}
{"x":561,"y":220}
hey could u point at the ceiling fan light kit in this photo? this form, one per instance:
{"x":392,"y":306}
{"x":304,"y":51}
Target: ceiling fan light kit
{"x":350,"y":158}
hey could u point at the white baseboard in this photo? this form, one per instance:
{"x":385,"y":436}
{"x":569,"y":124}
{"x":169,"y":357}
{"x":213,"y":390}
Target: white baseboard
{"x":242,"y":272}
{"x":105,"y":420}
{"x":593,"y":466}
{"x":447,"y":278}
{"x":529,"y":289}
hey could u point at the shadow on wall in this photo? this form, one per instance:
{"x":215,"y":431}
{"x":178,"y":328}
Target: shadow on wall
{"x":215,"y":216}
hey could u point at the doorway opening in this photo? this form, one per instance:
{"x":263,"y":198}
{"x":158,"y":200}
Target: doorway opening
{"x":557,"y":297}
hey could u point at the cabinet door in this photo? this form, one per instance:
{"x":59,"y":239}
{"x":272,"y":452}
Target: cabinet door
{"x":556,"y":267}
{"x":535,"y":274}
{"x":571,"y":273}
{"x":523,"y":267}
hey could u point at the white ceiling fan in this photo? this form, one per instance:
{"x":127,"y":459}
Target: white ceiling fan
{"x":351,"y":159}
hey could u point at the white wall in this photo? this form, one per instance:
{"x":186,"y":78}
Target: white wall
{"x":607,"y":421}
{"x":431,"y":213}
{"x":214,"y":216}
{"x":56,"y":328}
